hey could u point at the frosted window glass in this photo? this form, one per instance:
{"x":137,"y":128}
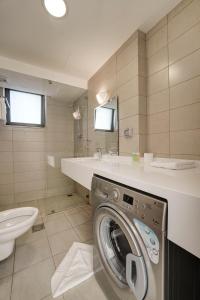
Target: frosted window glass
{"x":25,"y":108}
{"x":103,"y":118}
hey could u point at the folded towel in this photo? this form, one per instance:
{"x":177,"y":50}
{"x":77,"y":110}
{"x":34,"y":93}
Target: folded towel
{"x":174,"y":165}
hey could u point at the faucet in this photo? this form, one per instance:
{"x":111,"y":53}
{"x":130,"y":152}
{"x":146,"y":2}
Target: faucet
{"x":99,"y":151}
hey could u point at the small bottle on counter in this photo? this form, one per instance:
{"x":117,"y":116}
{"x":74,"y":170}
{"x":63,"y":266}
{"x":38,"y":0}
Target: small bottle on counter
{"x":136,"y":156}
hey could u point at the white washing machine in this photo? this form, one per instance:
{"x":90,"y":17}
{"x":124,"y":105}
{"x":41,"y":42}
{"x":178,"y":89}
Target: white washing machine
{"x":129,"y":236}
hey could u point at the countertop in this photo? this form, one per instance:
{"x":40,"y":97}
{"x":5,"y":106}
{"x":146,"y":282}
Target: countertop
{"x":181,"y":188}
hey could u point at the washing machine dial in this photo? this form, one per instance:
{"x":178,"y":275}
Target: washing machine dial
{"x":115,"y":195}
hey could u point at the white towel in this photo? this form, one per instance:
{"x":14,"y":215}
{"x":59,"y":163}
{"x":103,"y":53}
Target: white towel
{"x":174,"y":164}
{"x":76,"y":267}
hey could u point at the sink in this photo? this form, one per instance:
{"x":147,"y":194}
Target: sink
{"x":81,"y":169}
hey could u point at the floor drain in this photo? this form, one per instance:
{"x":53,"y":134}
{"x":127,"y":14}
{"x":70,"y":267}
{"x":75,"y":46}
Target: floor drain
{"x":52,"y":212}
{"x":38,"y":227}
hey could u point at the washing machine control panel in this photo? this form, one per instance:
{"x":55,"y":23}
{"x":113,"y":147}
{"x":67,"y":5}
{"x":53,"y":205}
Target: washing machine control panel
{"x":150,"y":240}
{"x":146,"y":208}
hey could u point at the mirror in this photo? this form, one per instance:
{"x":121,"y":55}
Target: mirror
{"x":106,"y":126}
{"x":106,"y":116}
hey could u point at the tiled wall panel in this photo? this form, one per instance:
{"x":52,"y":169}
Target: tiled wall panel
{"x":24,"y":173}
{"x":173,"y":81}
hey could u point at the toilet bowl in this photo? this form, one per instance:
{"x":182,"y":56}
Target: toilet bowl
{"x":13,"y":223}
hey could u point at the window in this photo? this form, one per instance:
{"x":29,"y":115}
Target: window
{"x":104,"y":119}
{"x":26,"y":109}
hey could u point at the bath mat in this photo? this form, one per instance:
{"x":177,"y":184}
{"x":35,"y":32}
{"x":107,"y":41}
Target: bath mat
{"x":76,"y":267}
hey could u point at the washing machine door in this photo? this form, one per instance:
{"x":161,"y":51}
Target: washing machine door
{"x":120,"y":253}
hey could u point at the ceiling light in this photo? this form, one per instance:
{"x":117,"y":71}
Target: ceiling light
{"x":56,"y":8}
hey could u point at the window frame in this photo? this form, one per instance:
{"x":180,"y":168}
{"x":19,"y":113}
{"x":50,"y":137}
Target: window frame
{"x":8,"y":121}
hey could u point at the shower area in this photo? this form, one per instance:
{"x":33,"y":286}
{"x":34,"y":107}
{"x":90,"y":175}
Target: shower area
{"x":80,"y":107}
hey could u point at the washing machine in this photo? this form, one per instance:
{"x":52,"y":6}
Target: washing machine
{"x":129,"y":230}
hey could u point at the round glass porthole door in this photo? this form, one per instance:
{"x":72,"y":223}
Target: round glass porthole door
{"x":115,"y":247}
{"x":119,"y":251}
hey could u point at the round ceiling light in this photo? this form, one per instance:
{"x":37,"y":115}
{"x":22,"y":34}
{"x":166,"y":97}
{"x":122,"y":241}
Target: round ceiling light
{"x":56,"y":8}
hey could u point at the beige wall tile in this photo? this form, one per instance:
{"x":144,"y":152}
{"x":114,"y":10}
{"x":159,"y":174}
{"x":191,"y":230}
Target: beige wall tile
{"x":29,"y":156}
{"x":157,"y":27}
{"x":127,"y":54}
{"x":128,"y":90}
{"x":142,"y":105}
{"x":29,"y":176}
{"x":158,"y":61}
{"x":7,"y":199}
{"x":178,"y":8}
{"x":6,"y":167}
{"x":129,"y":107}
{"x":6,"y":189}
{"x":28,"y":146}
{"x":157,"y":82}
{"x":28,"y":134}
{"x":33,"y":185}
{"x":130,"y":122}
{"x":27,"y":166}
{"x":128,"y":72}
{"x":158,"y":143}
{"x":157,"y":41}
{"x":185,"y":142}
{"x":5,"y":133}
{"x":185,"y":69}
{"x":129,"y":145}
{"x":142,"y":83}
{"x":184,"y":20}
{"x":158,"y":123}
{"x":185,"y":44}
{"x":29,"y":196}
{"x":158,"y":102}
{"x":142,"y":66}
{"x":5,"y":145}
{"x":6,"y":156}
{"x":186,"y":117}
{"x":187,"y":92}
{"x":6,"y":178}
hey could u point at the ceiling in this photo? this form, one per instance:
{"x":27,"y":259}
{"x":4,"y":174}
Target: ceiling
{"x":82,"y":41}
{"x":21,"y":82}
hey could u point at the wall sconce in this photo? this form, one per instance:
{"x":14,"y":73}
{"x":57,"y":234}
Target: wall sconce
{"x":76,"y":114}
{"x":102,"y":97}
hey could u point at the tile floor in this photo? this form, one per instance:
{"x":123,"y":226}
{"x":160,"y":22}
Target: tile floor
{"x":26,"y":275}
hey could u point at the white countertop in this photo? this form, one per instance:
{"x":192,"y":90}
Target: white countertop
{"x":181,"y":188}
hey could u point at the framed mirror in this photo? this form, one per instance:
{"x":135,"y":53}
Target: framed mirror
{"x":106,"y":116}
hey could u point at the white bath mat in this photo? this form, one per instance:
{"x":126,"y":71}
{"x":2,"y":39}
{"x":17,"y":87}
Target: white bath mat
{"x":76,"y":267}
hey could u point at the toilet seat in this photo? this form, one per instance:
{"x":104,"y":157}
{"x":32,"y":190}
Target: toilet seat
{"x":16,"y":218}
{"x":13,"y":223}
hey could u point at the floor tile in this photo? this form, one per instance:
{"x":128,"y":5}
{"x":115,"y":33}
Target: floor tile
{"x":78,"y":218}
{"x":30,"y":236}
{"x":31,"y":253}
{"x":6,"y":266}
{"x":62,"y":241}
{"x":56,"y":222}
{"x":33,"y":283}
{"x":59,"y":257}
{"x":51,"y":298}
{"x":88,"y":290}
{"x":84,"y":232}
{"x":5,"y":288}
{"x":74,"y":210}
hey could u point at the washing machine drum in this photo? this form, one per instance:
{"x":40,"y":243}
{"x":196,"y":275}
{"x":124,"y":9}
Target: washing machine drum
{"x":119,"y":251}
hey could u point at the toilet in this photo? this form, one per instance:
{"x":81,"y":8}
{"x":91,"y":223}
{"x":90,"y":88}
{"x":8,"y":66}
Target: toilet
{"x":13,"y":223}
